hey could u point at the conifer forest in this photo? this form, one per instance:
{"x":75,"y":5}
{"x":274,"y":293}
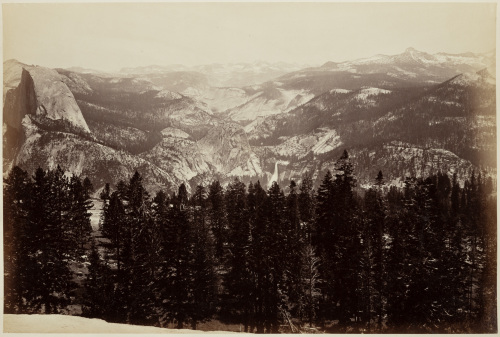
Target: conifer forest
{"x":338,"y":258}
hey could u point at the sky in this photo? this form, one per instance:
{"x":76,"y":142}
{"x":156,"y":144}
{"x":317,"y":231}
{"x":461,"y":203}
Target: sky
{"x":109,"y":36}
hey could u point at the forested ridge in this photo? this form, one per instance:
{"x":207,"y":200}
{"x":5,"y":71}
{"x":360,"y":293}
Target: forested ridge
{"x":417,"y":260}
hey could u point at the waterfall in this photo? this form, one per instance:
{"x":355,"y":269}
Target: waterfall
{"x":274,"y":177}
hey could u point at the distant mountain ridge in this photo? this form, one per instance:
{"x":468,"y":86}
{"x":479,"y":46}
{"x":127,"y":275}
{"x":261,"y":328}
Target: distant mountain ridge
{"x":408,"y":114}
{"x":224,"y":75}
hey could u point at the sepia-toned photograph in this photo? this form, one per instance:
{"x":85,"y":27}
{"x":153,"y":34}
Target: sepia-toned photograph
{"x":249,"y":167}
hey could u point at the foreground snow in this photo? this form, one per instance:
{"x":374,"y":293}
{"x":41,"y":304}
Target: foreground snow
{"x":75,"y":324}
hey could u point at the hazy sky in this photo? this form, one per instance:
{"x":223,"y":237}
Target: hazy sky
{"x":109,"y":36}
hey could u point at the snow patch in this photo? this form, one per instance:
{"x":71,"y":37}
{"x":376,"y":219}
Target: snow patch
{"x":339,"y":91}
{"x":173,"y":132}
{"x":328,"y":142}
{"x":192,"y":92}
{"x":467,"y":79}
{"x":321,"y":142}
{"x":76,"y":324}
{"x":366,"y":92}
{"x":168,"y":95}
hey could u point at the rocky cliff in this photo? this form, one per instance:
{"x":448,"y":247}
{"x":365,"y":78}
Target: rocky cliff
{"x":41,"y":93}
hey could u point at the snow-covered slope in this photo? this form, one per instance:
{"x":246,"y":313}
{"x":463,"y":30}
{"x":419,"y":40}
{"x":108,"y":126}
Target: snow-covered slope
{"x":222,"y":99}
{"x":224,"y":75}
{"x":269,"y":101}
{"x":414,"y":64}
{"x":318,"y":142}
{"x":167,"y":94}
{"x":80,"y":325}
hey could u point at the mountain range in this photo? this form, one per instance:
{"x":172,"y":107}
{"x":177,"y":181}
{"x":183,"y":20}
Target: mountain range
{"x":413,"y":113}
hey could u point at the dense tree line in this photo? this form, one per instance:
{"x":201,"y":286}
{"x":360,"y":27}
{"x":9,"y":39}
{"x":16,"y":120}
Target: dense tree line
{"x":420,"y":259}
{"x":46,"y":226}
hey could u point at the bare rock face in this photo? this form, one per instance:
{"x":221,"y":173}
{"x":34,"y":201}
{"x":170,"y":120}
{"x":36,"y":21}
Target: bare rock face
{"x":84,"y":157}
{"x":37,"y":102}
{"x":226,"y":147}
{"x":20,"y":102}
{"x":12,"y":70}
{"x":43,"y":95}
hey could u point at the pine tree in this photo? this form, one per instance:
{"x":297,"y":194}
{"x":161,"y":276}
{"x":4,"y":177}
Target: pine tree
{"x":373,"y":244}
{"x":143,"y":272}
{"x":141,"y":255}
{"x":49,"y":249}
{"x":323,"y":240}
{"x":344,"y":255}
{"x":379,"y":181}
{"x":78,"y":215}
{"x":292,"y":250}
{"x":238,"y":279}
{"x":114,"y":226}
{"x":275,"y":240}
{"x":310,"y":283}
{"x":182,"y":195}
{"x":16,"y":204}
{"x":321,"y":237}
{"x":217,"y":218}
{"x":204,"y":278}
{"x":338,"y":242}
{"x":88,"y":188}
{"x":307,"y":206}
{"x":175,"y":284}
{"x":256,"y":200}
{"x":418,"y":246}
{"x":105,"y":193}
{"x":97,"y":295}
{"x":487,"y":321}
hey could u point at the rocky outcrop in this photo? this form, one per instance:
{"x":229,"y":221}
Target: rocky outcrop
{"x":84,"y":157}
{"x":43,"y":95}
{"x":12,"y":70}
{"x":20,"y":102}
{"x":226,"y":147}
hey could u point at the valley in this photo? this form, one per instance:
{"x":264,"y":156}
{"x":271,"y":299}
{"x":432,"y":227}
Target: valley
{"x":408,"y":114}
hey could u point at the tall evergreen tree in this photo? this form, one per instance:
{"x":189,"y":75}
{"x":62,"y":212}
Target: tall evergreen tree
{"x":322,"y":235}
{"x":292,"y":254}
{"x":78,"y":215}
{"x":373,"y":246}
{"x":217,"y":217}
{"x":98,"y":287}
{"x":175,"y":286}
{"x":257,"y":199}
{"x":310,"y":278}
{"x":204,"y":278}
{"x":114,"y":226}
{"x":418,"y":247}
{"x":105,"y":193}
{"x":88,"y":188}
{"x":275,"y":240}
{"x":49,"y":248}
{"x":16,"y":231}
{"x":345,"y":255}
{"x":238,"y":279}
{"x":307,"y":206}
